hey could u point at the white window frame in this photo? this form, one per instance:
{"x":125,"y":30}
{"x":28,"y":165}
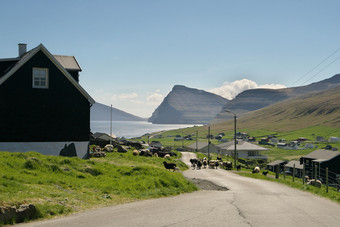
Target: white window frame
{"x":40,"y":78}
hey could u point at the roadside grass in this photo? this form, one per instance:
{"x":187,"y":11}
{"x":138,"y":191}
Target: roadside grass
{"x":297,"y":184}
{"x":61,"y":185}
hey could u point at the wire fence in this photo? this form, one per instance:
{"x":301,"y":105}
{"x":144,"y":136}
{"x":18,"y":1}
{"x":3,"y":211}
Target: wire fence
{"x":311,"y":174}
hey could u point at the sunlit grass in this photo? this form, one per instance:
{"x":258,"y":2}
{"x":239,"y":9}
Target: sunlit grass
{"x":59,"y":185}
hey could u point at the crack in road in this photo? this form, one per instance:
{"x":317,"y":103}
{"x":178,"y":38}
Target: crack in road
{"x":240,"y":211}
{"x":189,"y":219}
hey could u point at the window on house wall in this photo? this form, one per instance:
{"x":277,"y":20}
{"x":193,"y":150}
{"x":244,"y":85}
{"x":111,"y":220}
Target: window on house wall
{"x":251,"y":153}
{"x":40,"y":78}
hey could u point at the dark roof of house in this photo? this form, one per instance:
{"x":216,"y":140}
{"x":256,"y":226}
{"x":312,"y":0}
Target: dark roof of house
{"x":68,"y":62}
{"x":322,"y":155}
{"x":28,"y":55}
{"x":290,"y":164}
{"x":276,"y":162}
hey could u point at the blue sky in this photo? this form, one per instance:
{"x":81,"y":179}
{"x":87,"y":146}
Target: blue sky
{"x":133,"y":52}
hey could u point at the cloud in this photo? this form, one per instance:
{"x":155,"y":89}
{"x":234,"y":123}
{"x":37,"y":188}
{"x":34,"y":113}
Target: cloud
{"x":154,"y":99}
{"x":230,"y":90}
{"x":127,"y":96}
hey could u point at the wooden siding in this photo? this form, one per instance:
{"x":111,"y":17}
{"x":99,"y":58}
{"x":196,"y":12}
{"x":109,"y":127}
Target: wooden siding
{"x":59,"y":113}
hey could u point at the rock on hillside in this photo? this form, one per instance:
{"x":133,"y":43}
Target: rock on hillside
{"x":100,"y":112}
{"x":185,"y":105}
{"x":255,"y":99}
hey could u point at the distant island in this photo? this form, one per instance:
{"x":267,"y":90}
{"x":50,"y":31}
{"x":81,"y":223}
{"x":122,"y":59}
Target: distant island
{"x":101,"y":112}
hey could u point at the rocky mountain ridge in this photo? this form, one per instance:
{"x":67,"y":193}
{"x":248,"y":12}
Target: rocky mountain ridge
{"x":185,"y":105}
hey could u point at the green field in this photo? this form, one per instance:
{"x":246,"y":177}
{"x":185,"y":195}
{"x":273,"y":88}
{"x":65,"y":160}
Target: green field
{"x":273,"y":153}
{"x":60,"y":185}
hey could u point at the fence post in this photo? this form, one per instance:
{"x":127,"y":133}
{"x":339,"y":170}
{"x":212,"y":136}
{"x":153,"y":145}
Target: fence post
{"x":303,"y":174}
{"x":284,"y":172}
{"x":293,"y":172}
{"x":315,"y":171}
{"x":277,"y":172}
{"x":327,"y":179}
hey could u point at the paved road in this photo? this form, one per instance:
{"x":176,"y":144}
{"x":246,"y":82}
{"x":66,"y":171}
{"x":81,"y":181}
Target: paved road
{"x":249,"y":202}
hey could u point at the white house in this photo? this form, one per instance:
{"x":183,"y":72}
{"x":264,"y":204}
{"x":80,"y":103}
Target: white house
{"x":244,"y":150}
{"x":334,"y":139}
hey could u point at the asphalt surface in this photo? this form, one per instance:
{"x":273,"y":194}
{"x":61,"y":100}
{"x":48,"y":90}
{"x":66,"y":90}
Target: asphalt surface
{"x":248,"y":202}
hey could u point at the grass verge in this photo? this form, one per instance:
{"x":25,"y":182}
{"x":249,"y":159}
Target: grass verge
{"x":61,"y":185}
{"x":332,"y":193}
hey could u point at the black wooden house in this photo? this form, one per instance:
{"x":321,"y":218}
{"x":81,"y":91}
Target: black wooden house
{"x":317,"y":161}
{"x":42,"y":106}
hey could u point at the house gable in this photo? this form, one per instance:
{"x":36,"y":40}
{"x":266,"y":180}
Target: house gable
{"x":58,"y":113}
{"x":27,"y":56}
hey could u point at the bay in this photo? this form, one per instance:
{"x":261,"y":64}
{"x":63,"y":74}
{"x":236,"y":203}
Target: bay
{"x":131,"y":129}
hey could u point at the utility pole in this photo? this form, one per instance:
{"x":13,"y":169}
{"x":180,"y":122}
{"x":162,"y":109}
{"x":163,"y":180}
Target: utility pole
{"x":235,"y":140}
{"x":111,"y":126}
{"x":209,"y":142}
{"x":196,"y":140}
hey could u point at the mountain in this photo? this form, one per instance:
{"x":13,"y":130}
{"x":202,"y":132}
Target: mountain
{"x":320,"y":108}
{"x":185,"y":105}
{"x":100,"y":112}
{"x":255,"y":99}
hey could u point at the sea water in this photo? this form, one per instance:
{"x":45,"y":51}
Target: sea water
{"x":131,"y":129}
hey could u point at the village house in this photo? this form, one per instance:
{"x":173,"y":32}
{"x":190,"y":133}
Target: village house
{"x":244,"y":150}
{"x":203,"y":147}
{"x":319,"y":160}
{"x":156,"y":144}
{"x":43,"y":107}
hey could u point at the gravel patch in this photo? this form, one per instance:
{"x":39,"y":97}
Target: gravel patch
{"x":207,"y":185}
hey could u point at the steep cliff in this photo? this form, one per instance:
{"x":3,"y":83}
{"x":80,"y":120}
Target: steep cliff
{"x":185,"y":105}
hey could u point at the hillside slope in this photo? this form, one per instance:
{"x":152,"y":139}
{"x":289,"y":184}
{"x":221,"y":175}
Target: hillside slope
{"x":255,"y":99}
{"x":185,"y":105}
{"x":317,"y":108}
{"x":100,"y":112}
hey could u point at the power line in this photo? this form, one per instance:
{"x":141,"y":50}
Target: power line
{"x":317,"y":67}
{"x":321,"y":70}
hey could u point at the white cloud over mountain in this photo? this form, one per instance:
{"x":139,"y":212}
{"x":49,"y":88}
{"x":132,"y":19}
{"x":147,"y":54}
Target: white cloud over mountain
{"x":144,"y":104}
{"x":230,"y":90}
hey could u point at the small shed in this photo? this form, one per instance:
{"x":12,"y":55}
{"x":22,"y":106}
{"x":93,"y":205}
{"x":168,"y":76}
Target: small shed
{"x":273,"y":165}
{"x":298,"y":168}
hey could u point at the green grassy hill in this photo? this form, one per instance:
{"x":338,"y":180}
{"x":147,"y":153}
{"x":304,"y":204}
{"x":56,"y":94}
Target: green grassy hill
{"x":60,"y":185}
{"x":314,"y":109}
